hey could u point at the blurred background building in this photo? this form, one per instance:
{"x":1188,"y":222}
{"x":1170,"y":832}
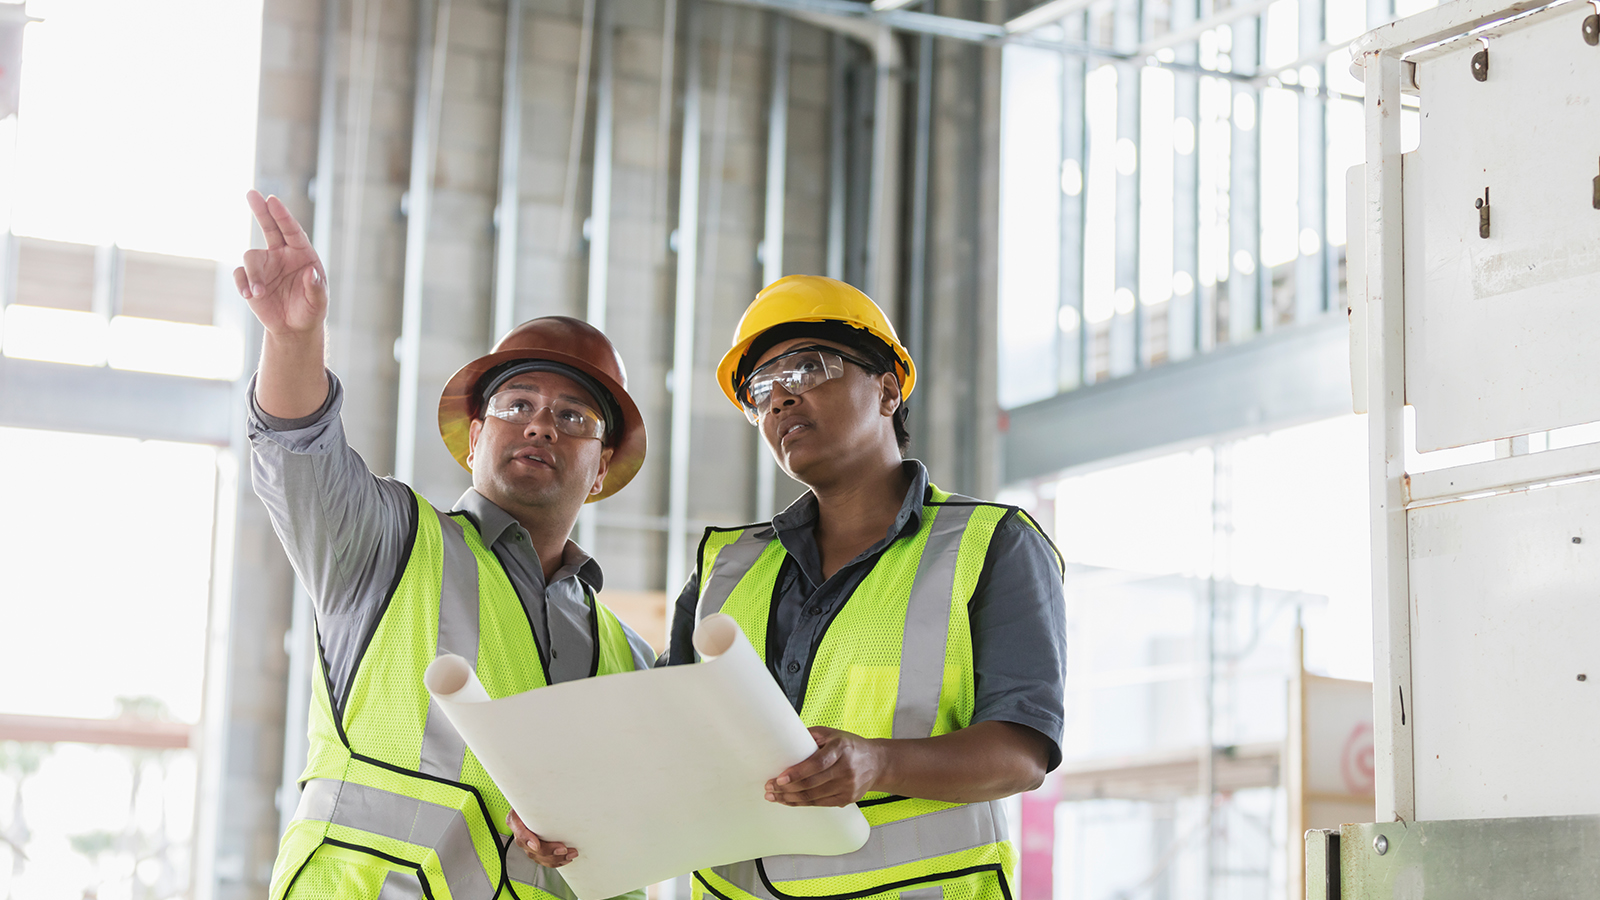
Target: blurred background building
{"x":1110,"y":231}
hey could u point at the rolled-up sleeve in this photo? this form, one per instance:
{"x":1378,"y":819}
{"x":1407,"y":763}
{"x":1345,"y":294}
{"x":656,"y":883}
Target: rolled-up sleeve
{"x":1019,"y":633}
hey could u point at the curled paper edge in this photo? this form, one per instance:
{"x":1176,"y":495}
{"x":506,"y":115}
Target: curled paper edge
{"x":451,"y":678}
{"x":715,"y":634}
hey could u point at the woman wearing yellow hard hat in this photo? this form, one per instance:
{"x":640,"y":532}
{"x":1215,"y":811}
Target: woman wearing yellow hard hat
{"x":920,"y":634}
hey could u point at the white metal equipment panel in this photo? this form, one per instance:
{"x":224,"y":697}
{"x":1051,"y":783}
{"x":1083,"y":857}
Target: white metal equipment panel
{"x":1505,"y":654}
{"x":1501,"y":330}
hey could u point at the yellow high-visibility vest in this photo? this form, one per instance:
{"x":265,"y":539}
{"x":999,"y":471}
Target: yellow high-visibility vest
{"x":895,"y":661}
{"x":391,"y":795}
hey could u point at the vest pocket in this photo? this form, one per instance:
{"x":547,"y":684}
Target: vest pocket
{"x":869,"y":699}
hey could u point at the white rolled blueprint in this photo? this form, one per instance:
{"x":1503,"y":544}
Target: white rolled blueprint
{"x":650,"y":774}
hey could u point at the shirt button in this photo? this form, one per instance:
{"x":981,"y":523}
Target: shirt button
{"x":794,"y":667}
{"x":814,"y":611}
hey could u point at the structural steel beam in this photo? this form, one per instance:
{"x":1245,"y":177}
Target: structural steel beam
{"x":847,"y":11}
{"x":120,"y":732}
{"x":1249,"y":307}
{"x":98,"y":400}
{"x":1296,"y":375}
{"x":1072,"y":344}
{"x":1168,"y":774}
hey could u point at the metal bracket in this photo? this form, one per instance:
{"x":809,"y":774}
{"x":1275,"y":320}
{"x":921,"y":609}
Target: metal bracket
{"x":1322,"y":864}
{"x":1482,"y":203}
{"x":1480,"y":62}
{"x":1591,"y":26}
{"x":1475,"y":859}
{"x":1408,"y":77}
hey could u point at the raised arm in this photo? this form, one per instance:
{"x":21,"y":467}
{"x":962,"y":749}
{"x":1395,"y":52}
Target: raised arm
{"x":288,"y":291}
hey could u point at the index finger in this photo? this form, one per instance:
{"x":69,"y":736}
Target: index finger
{"x":293,"y":234}
{"x":269,"y":226}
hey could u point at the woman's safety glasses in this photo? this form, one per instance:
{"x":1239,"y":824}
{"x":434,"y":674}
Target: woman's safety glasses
{"x":519,"y":406}
{"x":797,"y":371}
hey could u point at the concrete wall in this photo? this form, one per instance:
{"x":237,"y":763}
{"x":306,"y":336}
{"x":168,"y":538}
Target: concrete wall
{"x":376,"y":53}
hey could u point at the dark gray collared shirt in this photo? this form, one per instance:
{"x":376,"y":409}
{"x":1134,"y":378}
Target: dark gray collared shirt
{"x":1018,"y":613}
{"x":345,"y":531}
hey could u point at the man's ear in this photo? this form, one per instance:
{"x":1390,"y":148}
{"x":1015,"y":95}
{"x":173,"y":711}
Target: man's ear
{"x":472,"y":439}
{"x":605,"y":466}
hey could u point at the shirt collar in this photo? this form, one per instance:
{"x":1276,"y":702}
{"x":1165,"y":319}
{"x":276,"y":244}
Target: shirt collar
{"x":493,"y":524}
{"x":802,"y":513}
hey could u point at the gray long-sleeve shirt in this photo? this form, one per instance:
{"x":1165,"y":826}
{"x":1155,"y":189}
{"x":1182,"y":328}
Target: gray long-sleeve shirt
{"x":1017,"y":612}
{"x":345,"y":531}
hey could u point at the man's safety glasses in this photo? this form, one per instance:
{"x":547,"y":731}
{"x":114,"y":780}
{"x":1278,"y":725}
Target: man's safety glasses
{"x":797,"y":371}
{"x":519,"y":406}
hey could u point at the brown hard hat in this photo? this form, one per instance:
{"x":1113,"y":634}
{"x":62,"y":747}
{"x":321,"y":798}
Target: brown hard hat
{"x":558,"y":339}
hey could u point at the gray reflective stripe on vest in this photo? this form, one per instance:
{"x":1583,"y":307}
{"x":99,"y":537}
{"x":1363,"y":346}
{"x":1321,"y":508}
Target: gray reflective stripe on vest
{"x":936,"y":892}
{"x":443,"y":748}
{"x":525,"y":871}
{"x":891,"y":844}
{"x":400,"y":886}
{"x":439,"y":828}
{"x":746,"y":878}
{"x":733,"y":562}
{"x":916,"y":705}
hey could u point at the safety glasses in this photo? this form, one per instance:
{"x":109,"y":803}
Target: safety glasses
{"x":519,"y":406}
{"x":797,"y":371}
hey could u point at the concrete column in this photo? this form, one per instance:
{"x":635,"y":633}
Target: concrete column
{"x":242,"y":730}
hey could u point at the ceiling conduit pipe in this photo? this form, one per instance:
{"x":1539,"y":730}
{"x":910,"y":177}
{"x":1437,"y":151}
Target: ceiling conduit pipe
{"x":507,"y":211}
{"x":772,"y":239}
{"x":883,"y":219}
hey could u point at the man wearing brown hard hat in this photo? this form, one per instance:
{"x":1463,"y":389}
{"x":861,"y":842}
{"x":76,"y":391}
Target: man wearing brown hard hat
{"x":392,"y":801}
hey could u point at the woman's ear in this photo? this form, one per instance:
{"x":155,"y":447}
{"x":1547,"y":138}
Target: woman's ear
{"x":889,"y":393}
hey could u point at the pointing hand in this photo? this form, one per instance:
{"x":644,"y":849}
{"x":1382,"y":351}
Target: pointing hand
{"x":284,"y":284}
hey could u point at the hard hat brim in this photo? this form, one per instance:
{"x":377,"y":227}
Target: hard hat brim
{"x":458,"y":407}
{"x":730,"y":360}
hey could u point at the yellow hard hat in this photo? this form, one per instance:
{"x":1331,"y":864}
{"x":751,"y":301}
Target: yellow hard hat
{"x":811,"y":298}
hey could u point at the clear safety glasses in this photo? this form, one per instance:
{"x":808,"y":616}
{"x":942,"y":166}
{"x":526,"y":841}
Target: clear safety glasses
{"x":797,"y":371}
{"x":519,"y":406}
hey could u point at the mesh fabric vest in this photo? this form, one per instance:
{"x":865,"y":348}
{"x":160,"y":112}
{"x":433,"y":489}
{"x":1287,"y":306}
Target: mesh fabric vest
{"x":895,"y":661}
{"x":393,"y":803}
